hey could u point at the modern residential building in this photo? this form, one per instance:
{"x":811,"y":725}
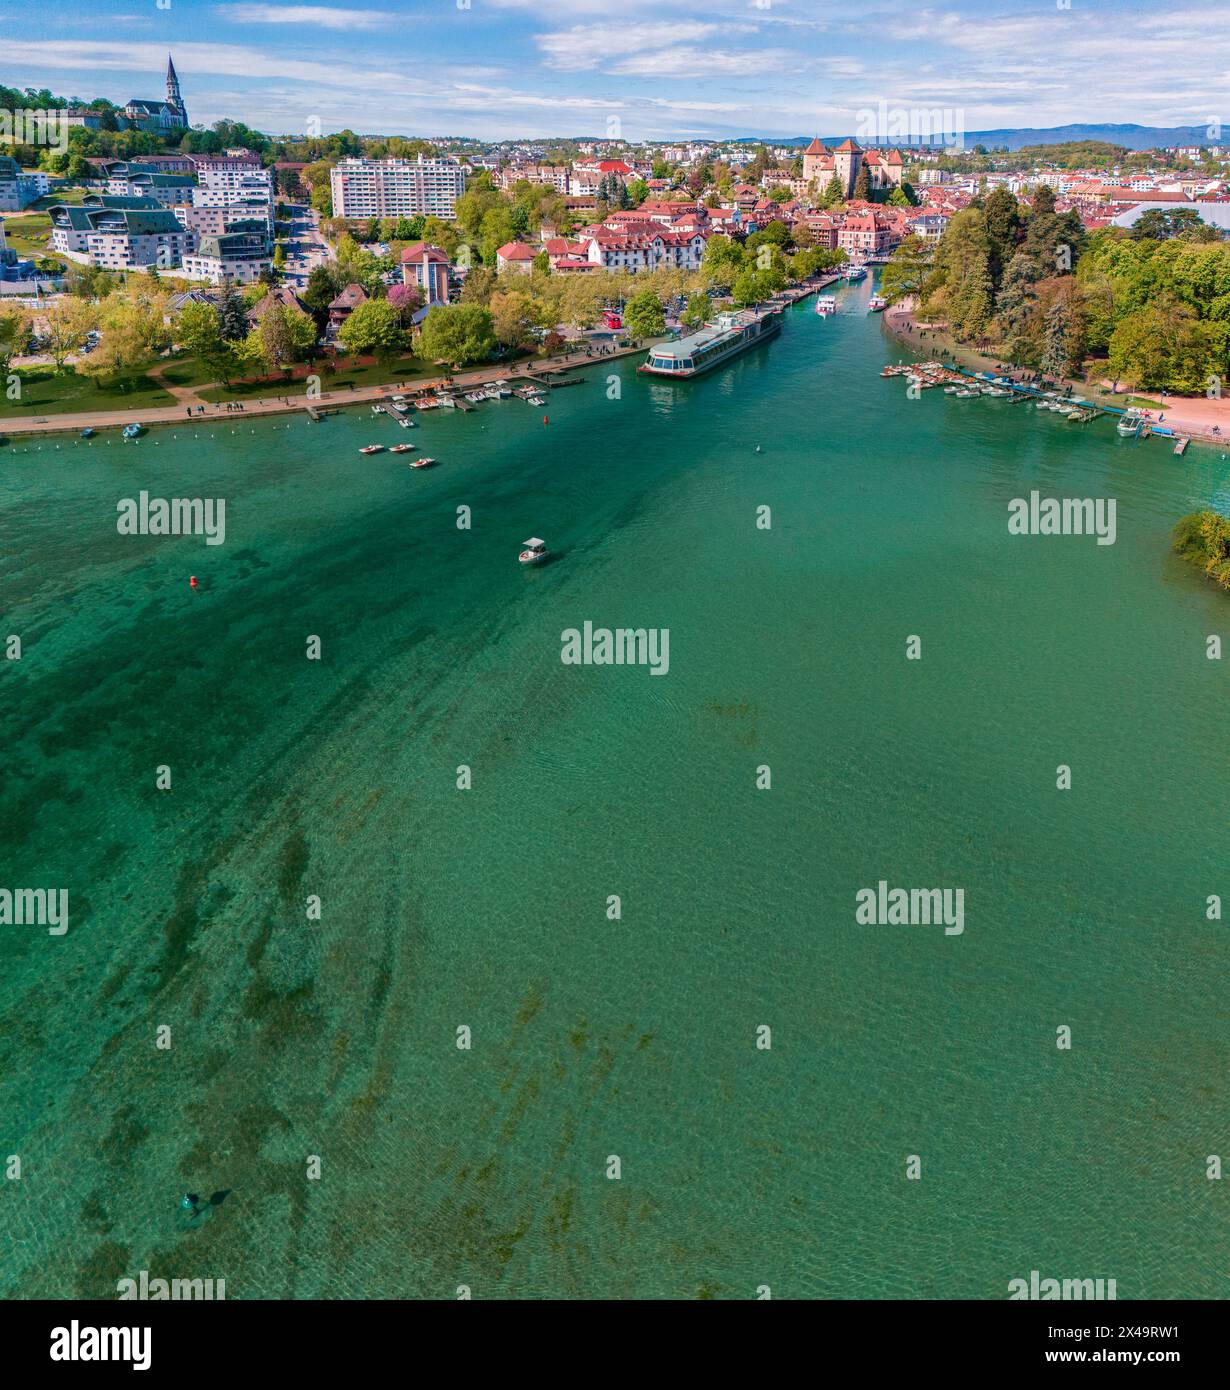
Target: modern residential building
{"x":20,"y":187}
{"x":218,"y":221}
{"x":427,"y":267}
{"x":250,"y":207}
{"x":150,"y":181}
{"x":119,"y":237}
{"x":244,"y":188}
{"x":396,"y":187}
{"x":214,"y":169}
{"x":238,"y":257}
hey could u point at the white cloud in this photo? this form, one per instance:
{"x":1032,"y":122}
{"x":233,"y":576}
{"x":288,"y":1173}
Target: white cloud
{"x":700,"y":62}
{"x":593,"y":45}
{"x":323,"y":16}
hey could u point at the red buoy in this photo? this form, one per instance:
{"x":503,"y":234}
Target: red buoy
{"x":544,"y":419}
{"x":192,"y":580}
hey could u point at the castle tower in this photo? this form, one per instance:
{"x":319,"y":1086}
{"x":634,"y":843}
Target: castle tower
{"x":814,"y":160}
{"x":847,"y":161}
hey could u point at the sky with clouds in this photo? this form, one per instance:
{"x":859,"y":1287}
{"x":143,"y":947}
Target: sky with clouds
{"x":661,"y":69}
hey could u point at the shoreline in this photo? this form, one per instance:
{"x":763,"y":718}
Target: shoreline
{"x":27,"y":425}
{"x":1189,"y":417}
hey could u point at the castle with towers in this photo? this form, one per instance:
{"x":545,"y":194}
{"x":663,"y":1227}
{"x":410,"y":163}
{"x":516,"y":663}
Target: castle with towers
{"x":822,"y":165}
{"x":170,"y":114}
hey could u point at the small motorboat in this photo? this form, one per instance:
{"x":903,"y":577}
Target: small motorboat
{"x":406,"y":424}
{"x":403,"y":448}
{"x":422,"y":463}
{"x":87,"y":433}
{"x":536,"y":400}
{"x":372,"y":449}
{"x":133,"y":431}
{"x":535,"y":550}
{"x":378,"y":410}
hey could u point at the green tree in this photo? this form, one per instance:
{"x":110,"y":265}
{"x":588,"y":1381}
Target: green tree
{"x":232,"y":314}
{"x":699,"y":308}
{"x":198,"y":330}
{"x":459,"y":334}
{"x":906,"y":270}
{"x":1003,"y":223}
{"x":722,"y":261}
{"x":67,"y":324}
{"x":644,"y":316}
{"x":374,"y":328}
{"x":286,"y":335}
{"x":14,"y":330}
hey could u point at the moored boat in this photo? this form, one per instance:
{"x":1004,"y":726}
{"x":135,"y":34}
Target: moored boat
{"x":728,"y":335}
{"x":422,"y":463}
{"x":372,"y":449}
{"x":403,"y":448}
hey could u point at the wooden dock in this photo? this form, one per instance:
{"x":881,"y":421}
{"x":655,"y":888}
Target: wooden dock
{"x":1180,"y":446}
{"x":541,"y":380}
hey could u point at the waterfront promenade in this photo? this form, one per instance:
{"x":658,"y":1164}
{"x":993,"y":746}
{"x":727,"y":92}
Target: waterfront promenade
{"x":288,"y":405}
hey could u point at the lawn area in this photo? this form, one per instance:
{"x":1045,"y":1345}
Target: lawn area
{"x":44,"y":392}
{"x":54,"y":198}
{"x":373,"y":374}
{"x":28,"y":235}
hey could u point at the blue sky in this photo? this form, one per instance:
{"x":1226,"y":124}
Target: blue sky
{"x":646,"y":69}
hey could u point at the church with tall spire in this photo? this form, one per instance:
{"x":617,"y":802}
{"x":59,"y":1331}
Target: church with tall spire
{"x":170,"y":114}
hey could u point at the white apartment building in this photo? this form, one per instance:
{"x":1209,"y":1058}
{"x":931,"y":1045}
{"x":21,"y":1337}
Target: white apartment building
{"x":242,"y":191}
{"x":19,"y":187}
{"x":396,"y":187}
{"x":238,"y":177}
{"x":238,"y":257}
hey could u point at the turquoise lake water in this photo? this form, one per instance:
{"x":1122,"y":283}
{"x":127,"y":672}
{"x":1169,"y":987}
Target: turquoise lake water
{"x":487,"y":908}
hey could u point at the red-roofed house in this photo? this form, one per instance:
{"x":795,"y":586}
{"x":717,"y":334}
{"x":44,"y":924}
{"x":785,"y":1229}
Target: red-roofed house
{"x":427,"y":267}
{"x":515,"y":256}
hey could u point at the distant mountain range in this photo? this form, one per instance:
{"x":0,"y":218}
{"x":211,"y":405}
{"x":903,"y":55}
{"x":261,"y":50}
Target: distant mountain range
{"x":1134,"y":137}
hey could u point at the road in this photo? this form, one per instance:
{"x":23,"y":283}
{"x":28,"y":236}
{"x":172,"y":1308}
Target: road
{"x":306,"y":248}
